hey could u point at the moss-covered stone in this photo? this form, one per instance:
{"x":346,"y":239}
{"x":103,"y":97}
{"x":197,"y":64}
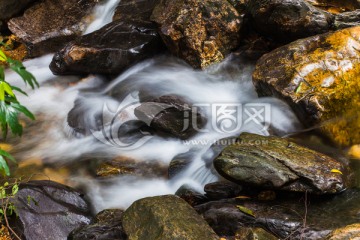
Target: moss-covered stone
{"x":346,"y":233}
{"x":165,"y":218}
{"x":319,"y":78}
{"x":276,"y":163}
{"x":202,"y":32}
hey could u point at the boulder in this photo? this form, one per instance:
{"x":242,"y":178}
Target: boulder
{"x":288,"y":20}
{"x":277,"y":163}
{"x":106,"y":225}
{"x":11,"y":8}
{"x":284,"y":217}
{"x":318,"y":77}
{"x":109,"y":50}
{"x":165,"y":218}
{"x":48,"y":210}
{"x":201,"y":32}
{"x":48,"y":25}
{"x":344,"y":5}
{"x":171,"y":115}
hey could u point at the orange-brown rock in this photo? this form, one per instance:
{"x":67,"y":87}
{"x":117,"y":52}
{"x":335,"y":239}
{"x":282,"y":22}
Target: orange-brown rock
{"x":319,"y":78}
{"x":201,"y":32}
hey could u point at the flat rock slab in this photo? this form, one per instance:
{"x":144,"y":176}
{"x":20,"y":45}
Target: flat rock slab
{"x":276,"y":163}
{"x":165,"y":218}
{"x":49,"y":25}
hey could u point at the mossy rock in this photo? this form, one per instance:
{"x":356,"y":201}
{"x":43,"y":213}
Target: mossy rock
{"x":277,"y":163}
{"x":319,"y":78}
{"x":165,"y":218}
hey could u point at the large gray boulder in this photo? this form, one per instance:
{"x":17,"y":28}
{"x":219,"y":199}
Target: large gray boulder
{"x":277,"y":163}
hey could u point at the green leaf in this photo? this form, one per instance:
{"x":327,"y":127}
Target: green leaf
{"x":246,"y":210}
{"x":2,"y":73}
{"x":19,"y":68}
{"x":23,"y":110}
{"x":3,"y":56}
{"x":15,"y":189}
{"x":7,"y":89}
{"x":7,"y":155}
{"x":19,"y":90}
{"x":4,"y":168}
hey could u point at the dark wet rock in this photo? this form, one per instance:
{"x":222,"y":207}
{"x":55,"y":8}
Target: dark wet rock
{"x":135,"y":9}
{"x":222,"y":190}
{"x":48,"y":25}
{"x":179,"y":163}
{"x":191,"y":196}
{"x":253,"y":234}
{"x":106,"y":225}
{"x":277,"y":163}
{"x":347,"y":19}
{"x":317,"y":76}
{"x":121,"y":166}
{"x":110,"y":49}
{"x":346,"y":233}
{"x":49,"y":210}
{"x":288,"y":20}
{"x":166,"y":218}
{"x":284,"y":217}
{"x":171,"y":115}
{"x":10,"y":8}
{"x":202,"y":32}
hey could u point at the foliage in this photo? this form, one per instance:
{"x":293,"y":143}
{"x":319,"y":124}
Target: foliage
{"x":7,"y":194}
{"x":10,"y":107}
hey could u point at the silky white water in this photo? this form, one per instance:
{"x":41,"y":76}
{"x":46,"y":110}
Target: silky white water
{"x":52,"y":140}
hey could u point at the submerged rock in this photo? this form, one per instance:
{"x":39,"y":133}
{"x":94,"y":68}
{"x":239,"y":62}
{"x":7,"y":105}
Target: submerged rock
{"x":120,"y":166}
{"x":285,"y":216}
{"x":48,"y":25}
{"x":10,"y":8}
{"x":106,"y":225}
{"x":276,"y":163}
{"x":288,"y":20}
{"x":202,"y":32}
{"x":49,"y":210}
{"x":319,"y":78}
{"x":171,"y":115}
{"x":165,"y":218}
{"x":109,"y":50}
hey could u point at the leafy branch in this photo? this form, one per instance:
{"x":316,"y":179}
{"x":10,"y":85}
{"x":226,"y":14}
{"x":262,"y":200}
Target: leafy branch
{"x":10,"y":107}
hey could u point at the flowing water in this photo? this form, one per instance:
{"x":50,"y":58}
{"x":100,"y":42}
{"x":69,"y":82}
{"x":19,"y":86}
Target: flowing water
{"x":52,"y":142}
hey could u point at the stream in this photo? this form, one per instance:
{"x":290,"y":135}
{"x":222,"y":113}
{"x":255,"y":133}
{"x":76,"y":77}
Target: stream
{"x":51,"y":149}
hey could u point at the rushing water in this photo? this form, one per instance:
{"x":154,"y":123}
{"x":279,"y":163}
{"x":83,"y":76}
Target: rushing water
{"x":55,"y":143}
